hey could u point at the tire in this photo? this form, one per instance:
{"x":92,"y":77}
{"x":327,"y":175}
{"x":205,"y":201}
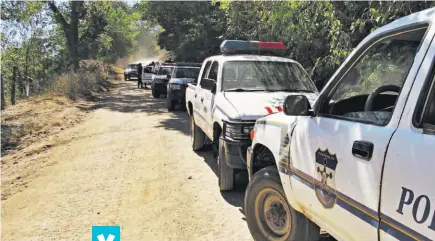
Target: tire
{"x":170,"y":104}
{"x":196,"y":135}
{"x":263,"y":189}
{"x":155,"y":93}
{"x":226,"y":173}
{"x":126,"y":77}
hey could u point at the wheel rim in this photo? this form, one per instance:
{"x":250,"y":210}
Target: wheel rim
{"x":273,"y":214}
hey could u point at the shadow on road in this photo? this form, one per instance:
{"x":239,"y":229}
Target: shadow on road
{"x":235,"y":197}
{"x":128,"y":98}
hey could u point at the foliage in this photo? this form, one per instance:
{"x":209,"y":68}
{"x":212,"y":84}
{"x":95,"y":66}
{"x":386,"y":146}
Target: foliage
{"x":33,"y":37}
{"x":190,"y":30}
{"x":317,"y":34}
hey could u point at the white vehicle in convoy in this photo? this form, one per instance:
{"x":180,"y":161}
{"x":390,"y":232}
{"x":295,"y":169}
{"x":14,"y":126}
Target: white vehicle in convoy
{"x":360,"y":161}
{"x":235,"y":89}
{"x":147,"y":74}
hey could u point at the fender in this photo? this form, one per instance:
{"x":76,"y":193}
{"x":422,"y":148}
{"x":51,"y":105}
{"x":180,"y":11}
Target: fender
{"x":273,"y":134}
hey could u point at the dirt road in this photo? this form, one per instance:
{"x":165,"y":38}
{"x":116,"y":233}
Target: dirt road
{"x":129,"y":164}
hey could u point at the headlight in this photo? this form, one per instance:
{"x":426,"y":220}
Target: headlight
{"x":238,"y":131}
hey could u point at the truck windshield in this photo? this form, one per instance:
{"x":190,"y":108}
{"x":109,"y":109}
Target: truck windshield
{"x":131,"y":66}
{"x":265,"y":75}
{"x":165,"y":70}
{"x":186,"y":72}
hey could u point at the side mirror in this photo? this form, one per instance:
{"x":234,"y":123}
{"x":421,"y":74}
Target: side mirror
{"x":168,"y":76}
{"x":209,"y":84}
{"x":297,"y":105}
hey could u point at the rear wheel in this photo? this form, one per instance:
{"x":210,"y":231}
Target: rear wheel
{"x":226,"y":173}
{"x":268,"y":214}
{"x":196,"y":135}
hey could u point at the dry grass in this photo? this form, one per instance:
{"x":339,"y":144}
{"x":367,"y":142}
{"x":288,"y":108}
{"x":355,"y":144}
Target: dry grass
{"x":39,"y":116}
{"x":92,"y":76}
{"x":34,"y":119}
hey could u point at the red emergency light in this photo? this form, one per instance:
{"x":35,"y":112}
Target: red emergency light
{"x":252,"y":47}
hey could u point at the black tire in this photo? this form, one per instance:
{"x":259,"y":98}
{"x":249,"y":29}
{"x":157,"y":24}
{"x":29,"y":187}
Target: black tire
{"x":170,"y":104}
{"x":266,"y":183}
{"x":196,"y":135}
{"x":155,"y":93}
{"x":125,"y":77}
{"x":226,"y":173}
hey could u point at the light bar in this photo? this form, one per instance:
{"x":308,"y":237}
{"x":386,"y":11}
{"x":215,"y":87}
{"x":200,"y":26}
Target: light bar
{"x":251,"y":47}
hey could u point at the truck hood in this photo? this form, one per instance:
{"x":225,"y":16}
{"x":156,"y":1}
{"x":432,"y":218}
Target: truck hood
{"x":252,"y":105}
{"x":181,"y":80}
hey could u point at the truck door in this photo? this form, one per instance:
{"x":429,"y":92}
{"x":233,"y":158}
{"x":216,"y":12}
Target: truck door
{"x":197,"y":103}
{"x":337,"y":155}
{"x":408,"y":186}
{"x":207,"y":99}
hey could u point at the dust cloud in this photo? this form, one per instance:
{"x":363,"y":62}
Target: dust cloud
{"x":147,"y":51}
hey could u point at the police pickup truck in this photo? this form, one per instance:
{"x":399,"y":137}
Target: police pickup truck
{"x":234,"y":89}
{"x":160,"y":79}
{"x":359,"y":162}
{"x":183,"y":74}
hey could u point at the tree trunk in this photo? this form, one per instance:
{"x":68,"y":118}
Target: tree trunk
{"x":14,"y":81}
{"x":70,"y":29}
{"x":26,"y":71}
{"x":3,"y":104}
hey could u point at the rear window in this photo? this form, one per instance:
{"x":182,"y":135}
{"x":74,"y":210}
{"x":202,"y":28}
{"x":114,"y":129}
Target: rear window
{"x":165,"y":70}
{"x":186,"y":72}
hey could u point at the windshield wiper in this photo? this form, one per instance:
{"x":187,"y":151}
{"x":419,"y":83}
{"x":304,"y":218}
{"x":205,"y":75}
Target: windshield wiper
{"x":242,"y":90}
{"x":292,"y":90}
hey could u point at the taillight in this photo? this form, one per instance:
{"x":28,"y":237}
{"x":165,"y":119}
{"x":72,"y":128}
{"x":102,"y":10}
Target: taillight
{"x":252,"y":134}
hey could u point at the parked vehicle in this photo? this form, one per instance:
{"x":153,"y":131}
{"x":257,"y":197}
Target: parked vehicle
{"x":147,"y":75}
{"x":130,"y":71}
{"x":359,"y":161}
{"x":183,"y":74}
{"x":160,"y":79}
{"x":248,"y":81}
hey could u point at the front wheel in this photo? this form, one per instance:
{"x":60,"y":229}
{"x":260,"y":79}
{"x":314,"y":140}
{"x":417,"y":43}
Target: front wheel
{"x":155,"y":93}
{"x":268,"y":214}
{"x":226,"y":173}
{"x":170,"y":104}
{"x":197,"y":135}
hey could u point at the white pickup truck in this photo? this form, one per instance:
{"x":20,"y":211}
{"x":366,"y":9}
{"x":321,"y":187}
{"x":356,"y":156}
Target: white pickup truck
{"x":360,"y":161}
{"x":232,"y":91}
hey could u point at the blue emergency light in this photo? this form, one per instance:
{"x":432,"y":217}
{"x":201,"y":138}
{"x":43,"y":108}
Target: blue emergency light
{"x":229,"y":47}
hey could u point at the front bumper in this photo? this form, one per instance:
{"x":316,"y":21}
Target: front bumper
{"x":178,"y":95}
{"x":235,"y":151}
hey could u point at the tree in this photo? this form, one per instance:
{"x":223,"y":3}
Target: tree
{"x":70,"y":29}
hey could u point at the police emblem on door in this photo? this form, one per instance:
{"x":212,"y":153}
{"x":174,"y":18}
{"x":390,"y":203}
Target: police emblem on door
{"x":324,"y":185}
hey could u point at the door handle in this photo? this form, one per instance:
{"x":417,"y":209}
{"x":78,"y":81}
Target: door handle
{"x":202,"y":99}
{"x":362,"y":149}
{"x":196,"y":95}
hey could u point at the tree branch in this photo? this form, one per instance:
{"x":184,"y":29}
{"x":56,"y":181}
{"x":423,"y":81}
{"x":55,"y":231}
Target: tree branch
{"x":58,"y":15}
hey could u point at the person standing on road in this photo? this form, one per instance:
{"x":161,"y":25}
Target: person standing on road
{"x":139,"y":75}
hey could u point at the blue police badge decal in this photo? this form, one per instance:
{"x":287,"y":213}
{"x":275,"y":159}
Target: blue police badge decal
{"x":324,"y":185}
